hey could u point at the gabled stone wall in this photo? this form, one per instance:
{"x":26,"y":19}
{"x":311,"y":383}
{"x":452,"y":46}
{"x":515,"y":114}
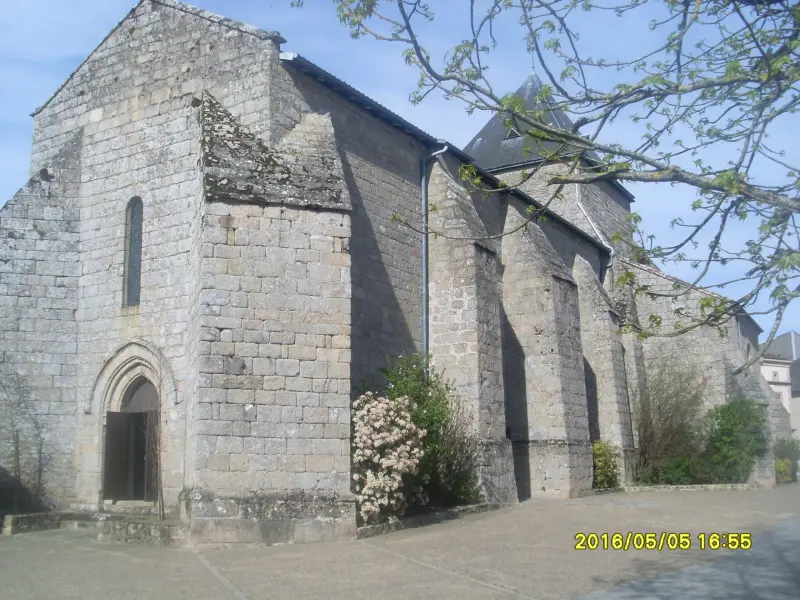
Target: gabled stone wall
{"x":129,"y":107}
{"x":161,"y":50}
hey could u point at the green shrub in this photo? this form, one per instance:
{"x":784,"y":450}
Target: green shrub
{"x":606,"y":474}
{"x":666,"y":418}
{"x":734,"y":437}
{"x":447,"y":472}
{"x":788,"y":450}
{"x":783,"y":470}
{"x":677,"y":446}
{"x":680,"y":469}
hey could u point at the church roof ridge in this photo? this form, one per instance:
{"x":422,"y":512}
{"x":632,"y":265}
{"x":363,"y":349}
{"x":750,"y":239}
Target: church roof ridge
{"x":174,"y":4}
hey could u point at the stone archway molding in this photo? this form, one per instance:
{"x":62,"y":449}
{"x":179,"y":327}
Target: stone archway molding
{"x":134,"y":359}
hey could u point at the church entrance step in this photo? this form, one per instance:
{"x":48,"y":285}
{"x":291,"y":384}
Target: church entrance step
{"x":143,"y":530}
{"x":129,"y":507}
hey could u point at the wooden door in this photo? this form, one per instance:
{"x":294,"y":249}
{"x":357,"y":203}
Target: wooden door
{"x":151,"y":472}
{"x":115,"y":466}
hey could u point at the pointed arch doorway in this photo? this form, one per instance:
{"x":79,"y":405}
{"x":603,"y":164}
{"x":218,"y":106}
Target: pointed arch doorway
{"x":132,"y":445}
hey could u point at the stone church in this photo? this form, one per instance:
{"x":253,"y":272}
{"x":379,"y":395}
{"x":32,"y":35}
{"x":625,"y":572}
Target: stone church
{"x":207,"y":262}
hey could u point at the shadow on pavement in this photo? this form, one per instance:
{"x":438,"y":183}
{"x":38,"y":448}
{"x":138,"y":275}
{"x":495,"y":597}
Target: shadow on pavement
{"x":768,"y":571}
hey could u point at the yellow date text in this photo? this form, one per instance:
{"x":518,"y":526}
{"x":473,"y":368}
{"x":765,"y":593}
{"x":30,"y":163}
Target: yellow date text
{"x":663,"y":540}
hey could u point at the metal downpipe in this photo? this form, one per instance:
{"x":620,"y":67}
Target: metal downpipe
{"x":425,"y":275}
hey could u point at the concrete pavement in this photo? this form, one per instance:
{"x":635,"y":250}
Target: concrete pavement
{"x":770,"y":571}
{"x":525,"y":551}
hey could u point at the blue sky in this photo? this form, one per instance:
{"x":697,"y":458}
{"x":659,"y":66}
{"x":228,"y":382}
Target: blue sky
{"x":43,"y":41}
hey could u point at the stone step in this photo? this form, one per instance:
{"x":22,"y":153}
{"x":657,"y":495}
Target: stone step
{"x":138,"y":530}
{"x":130,"y":507}
{"x":79,"y":524}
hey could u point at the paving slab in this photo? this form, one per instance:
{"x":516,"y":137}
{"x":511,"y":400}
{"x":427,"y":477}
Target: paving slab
{"x":770,"y":571}
{"x":72,"y":565}
{"x":526,"y":551}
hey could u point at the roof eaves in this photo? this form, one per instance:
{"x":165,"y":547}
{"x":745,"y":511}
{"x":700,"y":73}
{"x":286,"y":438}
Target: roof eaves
{"x":198,"y":12}
{"x":537,"y":161}
{"x":332,"y":82}
{"x":776,"y":359}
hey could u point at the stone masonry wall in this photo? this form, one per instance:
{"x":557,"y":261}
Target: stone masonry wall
{"x":609,"y":211}
{"x":465,"y":299}
{"x":701,"y":348}
{"x":604,"y":368}
{"x":606,"y":207}
{"x":133,"y":101}
{"x":160,"y":51}
{"x":273,"y":415}
{"x":193,"y":336}
{"x":715,"y":356}
{"x":382,"y":175}
{"x":39,"y":272}
{"x":543,"y":366}
{"x":162,"y":170}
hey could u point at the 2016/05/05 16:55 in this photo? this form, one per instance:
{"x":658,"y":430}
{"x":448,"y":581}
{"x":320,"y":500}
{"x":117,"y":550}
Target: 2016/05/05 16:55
{"x":663,"y":541}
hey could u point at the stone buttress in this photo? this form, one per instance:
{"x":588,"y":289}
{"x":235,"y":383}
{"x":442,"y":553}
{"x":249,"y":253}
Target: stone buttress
{"x":465,"y":304}
{"x":271,"y":425}
{"x":543,"y":363}
{"x":605,"y":377}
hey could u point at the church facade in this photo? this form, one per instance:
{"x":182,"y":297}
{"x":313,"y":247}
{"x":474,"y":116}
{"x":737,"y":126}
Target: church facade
{"x":210,"y":258}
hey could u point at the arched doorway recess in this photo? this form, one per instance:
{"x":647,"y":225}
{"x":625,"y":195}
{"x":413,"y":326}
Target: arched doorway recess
{"x":132,"y":445}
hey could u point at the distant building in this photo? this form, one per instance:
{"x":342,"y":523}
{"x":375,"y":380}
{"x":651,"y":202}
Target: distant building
{"x":780,"y":366}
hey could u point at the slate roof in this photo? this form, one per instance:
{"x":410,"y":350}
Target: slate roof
{"x":782,"y":348}
{"x":492,"y":150}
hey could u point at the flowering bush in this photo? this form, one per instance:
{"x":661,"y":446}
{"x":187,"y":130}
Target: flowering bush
{"x":387,"y":449}
{"x":447,"y":472}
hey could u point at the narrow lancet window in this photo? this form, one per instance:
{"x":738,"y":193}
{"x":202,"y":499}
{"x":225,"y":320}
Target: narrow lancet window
{"x":132,"y":286}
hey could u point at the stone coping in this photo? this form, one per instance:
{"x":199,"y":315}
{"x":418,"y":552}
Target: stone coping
{"x":435,"y":516}
{"x":26,"y":523}
{"x":703,"y":487}
{"x":706,"y":487}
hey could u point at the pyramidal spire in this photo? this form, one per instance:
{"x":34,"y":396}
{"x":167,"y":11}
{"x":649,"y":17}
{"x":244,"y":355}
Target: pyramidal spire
{"x":498,"y":146}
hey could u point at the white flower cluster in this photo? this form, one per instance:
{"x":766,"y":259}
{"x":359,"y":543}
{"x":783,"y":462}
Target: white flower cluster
{"x":387,"y":447}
